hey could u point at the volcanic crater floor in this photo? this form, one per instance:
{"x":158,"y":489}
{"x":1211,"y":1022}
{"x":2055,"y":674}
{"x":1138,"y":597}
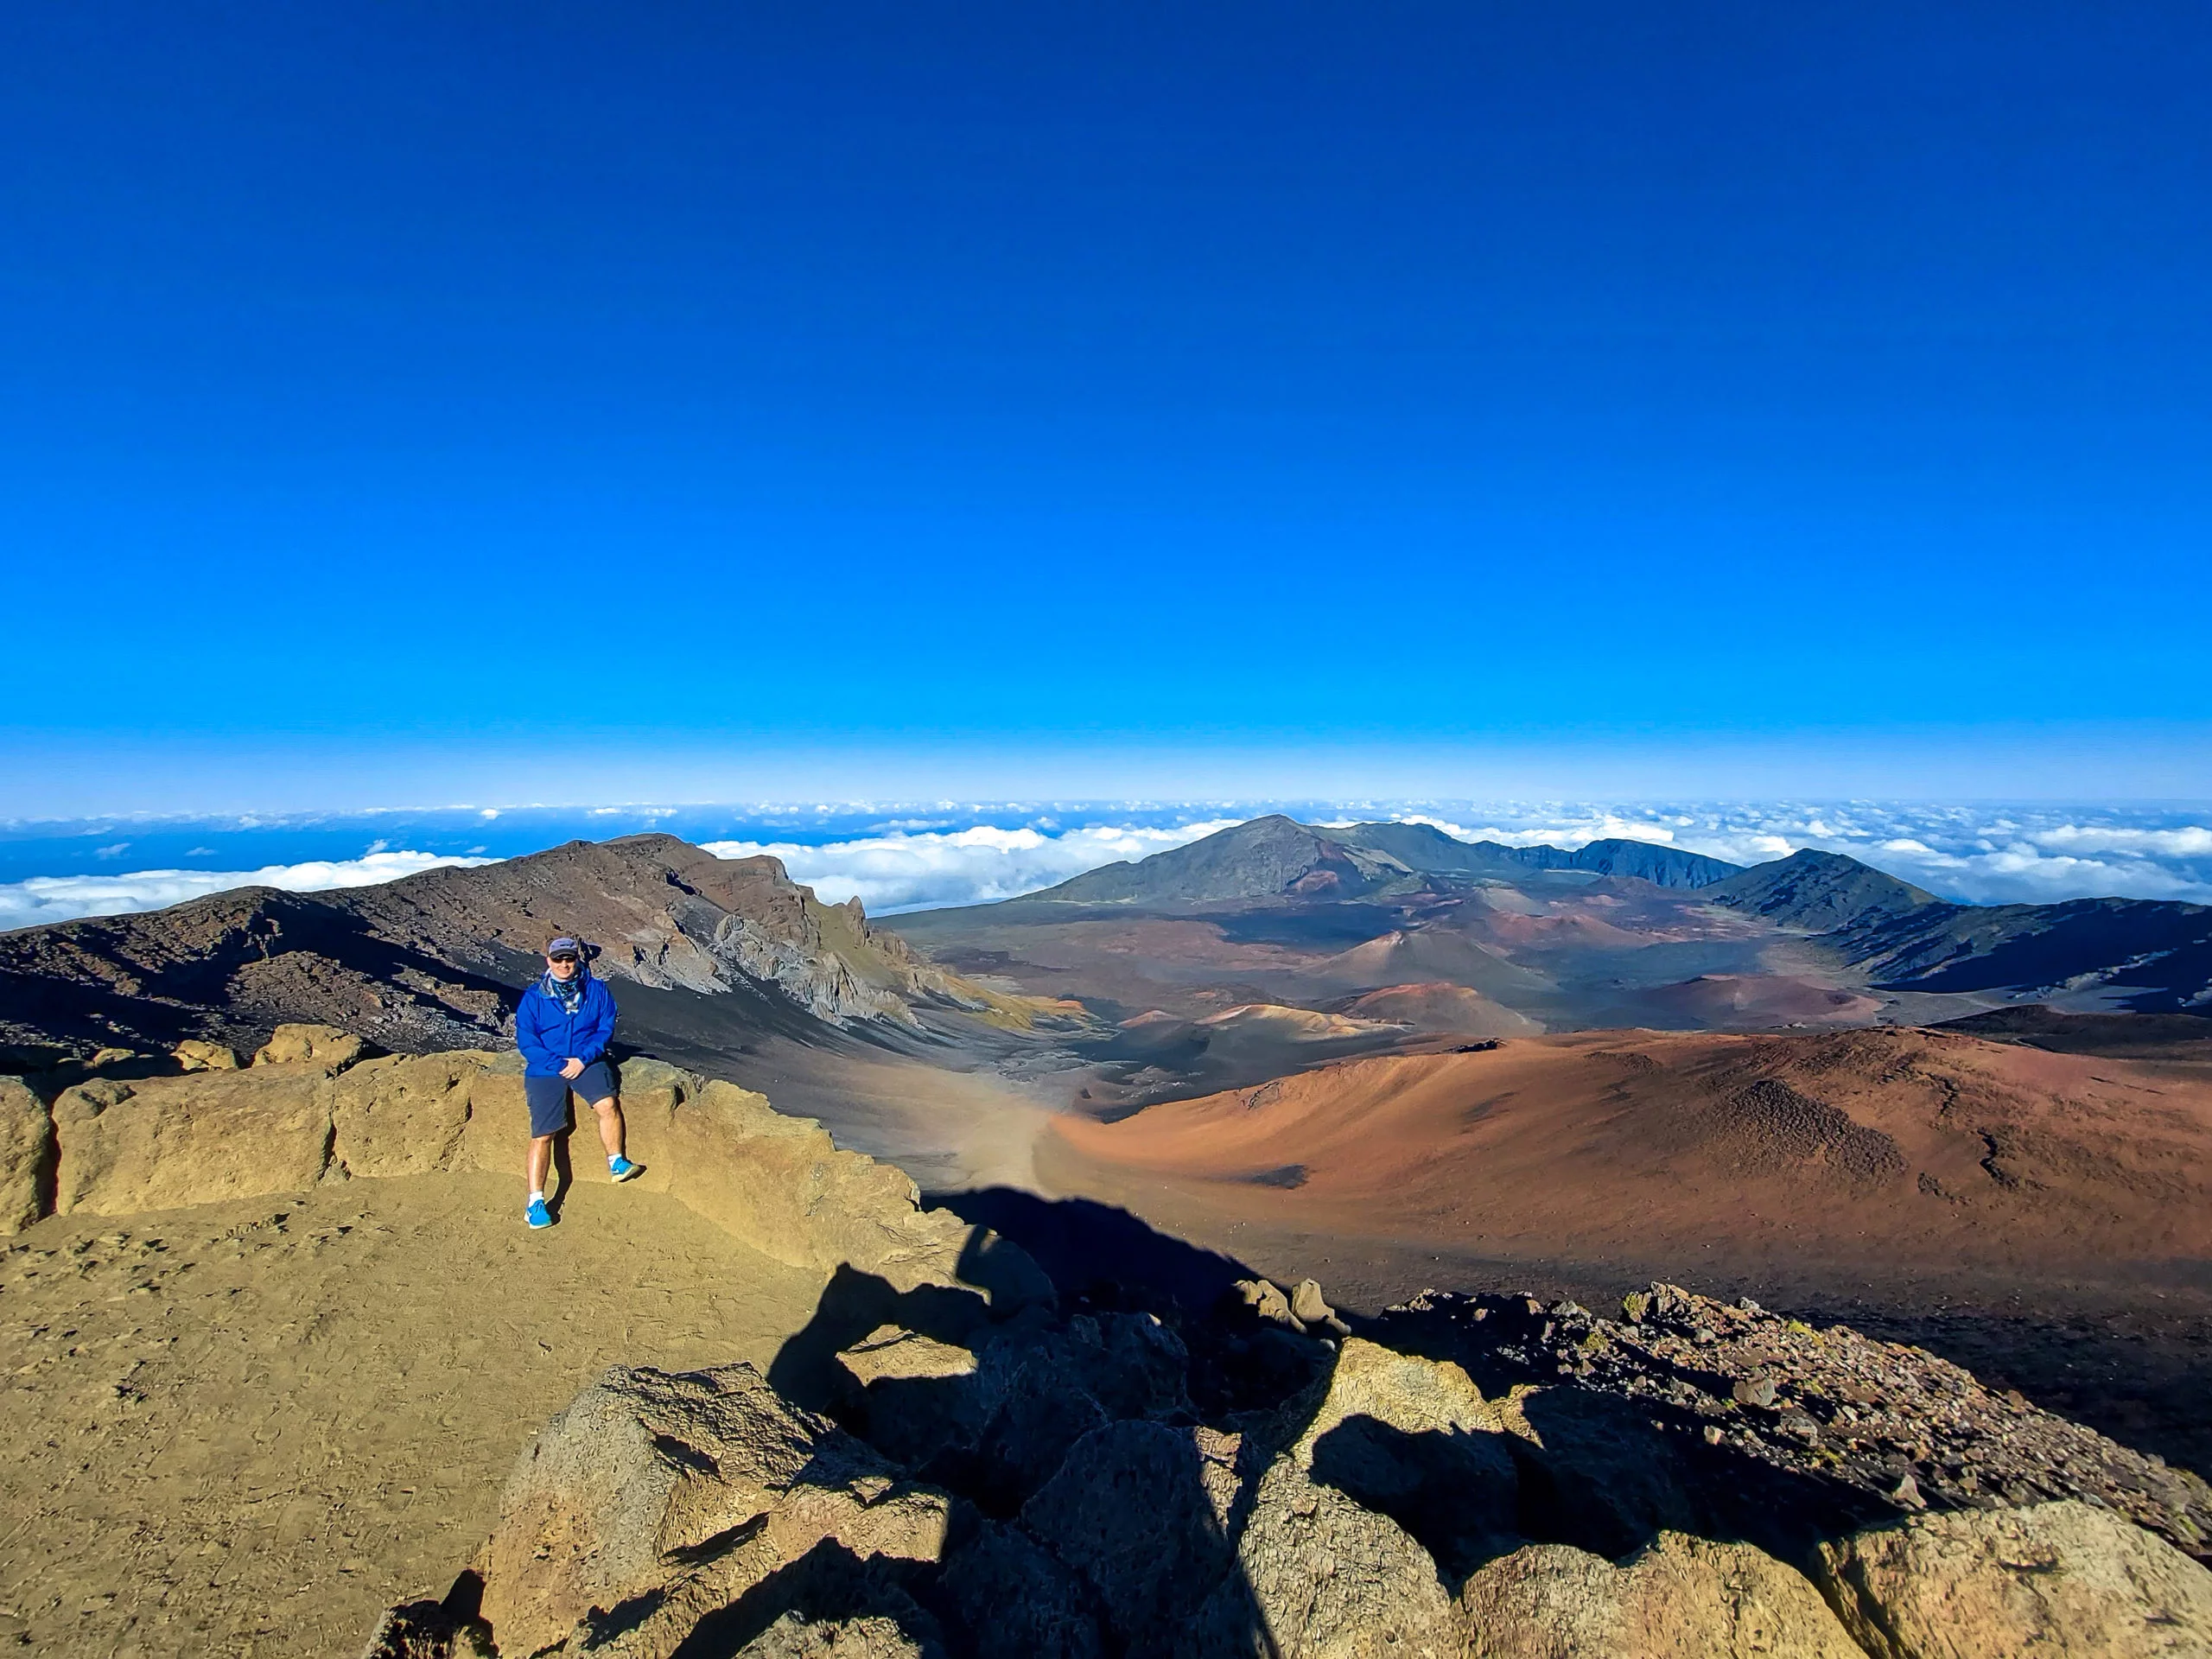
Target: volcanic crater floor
{"x":247,"y":1427}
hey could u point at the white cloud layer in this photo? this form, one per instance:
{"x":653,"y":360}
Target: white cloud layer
{"x":901,"y":859}
{"x":64,"y":898}
{"x":1976,"y":855}
{"x":905,"y":870}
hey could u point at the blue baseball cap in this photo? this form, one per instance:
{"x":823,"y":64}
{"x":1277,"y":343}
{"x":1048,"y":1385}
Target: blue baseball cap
{"x":565,"y":946}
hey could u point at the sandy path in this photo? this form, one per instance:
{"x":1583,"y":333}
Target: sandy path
{"x":948,"y":1129}
{"x":245,"y":1428}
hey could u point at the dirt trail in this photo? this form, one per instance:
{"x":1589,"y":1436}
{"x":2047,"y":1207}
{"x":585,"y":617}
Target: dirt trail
{"x":245,"y":1428}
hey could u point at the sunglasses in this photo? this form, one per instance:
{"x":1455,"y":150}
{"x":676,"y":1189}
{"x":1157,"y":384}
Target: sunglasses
{"x":563,"y":956}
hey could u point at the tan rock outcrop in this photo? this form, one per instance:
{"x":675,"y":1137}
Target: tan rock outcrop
{"x":1368,"y":1502}
{"x":322,"y":1046}
{"x":1331,"y":1580}
{"x":26,"y":1155}
{"x":1412,"y":1395}
{"x":1015,"y":1600}
{"x":204,"y":1138}
{"x":194,"y":1055}
{"x":1130,"y":1511}
{"x":796,"y":1197}
{"x":2051,"y":1579}
{"x":779,"y":1184}
{"x":1328,"y":1571}
{"x":892,"y":1353}
{"x":427,"y":1630}
{"x":1682,"y":1597}
{"x":403,"y":1115}
{"x":639,"y":1464}
{"x":670,"y":1497}
{"x":1414,"y":1439}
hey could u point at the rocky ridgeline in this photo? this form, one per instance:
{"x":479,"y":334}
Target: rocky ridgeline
{"x":314,"y":1107}
{"x":433,"y":961}
{"x":1478,"y":1477}
{"x":1827,"y":1406}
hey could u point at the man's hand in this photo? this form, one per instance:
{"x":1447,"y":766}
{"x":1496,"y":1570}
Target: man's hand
{"x":572,"y":1067}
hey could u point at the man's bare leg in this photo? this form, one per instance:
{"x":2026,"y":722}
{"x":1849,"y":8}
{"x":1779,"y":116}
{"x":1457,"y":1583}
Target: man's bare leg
{"x":541,"y":1160}
{"x":610,"y":1125}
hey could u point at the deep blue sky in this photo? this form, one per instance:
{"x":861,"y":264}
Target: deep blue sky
{"x":831,"y":380}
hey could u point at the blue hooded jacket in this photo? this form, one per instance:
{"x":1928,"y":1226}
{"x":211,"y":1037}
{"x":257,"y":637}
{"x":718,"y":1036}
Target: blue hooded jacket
{"x":550,"y":1036}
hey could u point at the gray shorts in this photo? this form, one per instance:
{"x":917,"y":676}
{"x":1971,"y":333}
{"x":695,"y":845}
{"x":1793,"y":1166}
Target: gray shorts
{"x":549,"y":1096}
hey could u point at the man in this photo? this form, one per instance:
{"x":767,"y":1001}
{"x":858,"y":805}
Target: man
{"x":562,"y":1027}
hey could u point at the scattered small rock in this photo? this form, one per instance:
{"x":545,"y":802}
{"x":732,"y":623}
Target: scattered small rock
{"x":1268,"y":1300}
{"x":1754,"y":1391}
{"x":1308,"y":1308}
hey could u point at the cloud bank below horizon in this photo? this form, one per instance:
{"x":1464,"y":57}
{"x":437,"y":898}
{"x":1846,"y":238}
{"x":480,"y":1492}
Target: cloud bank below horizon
{"x":905,"y":869}
{"x":898,"y":859}
{"x":67,"y":898}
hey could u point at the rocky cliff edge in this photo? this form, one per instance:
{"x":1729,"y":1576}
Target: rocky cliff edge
{"x":1104,"y":1480}
{"x":314,"y":1107}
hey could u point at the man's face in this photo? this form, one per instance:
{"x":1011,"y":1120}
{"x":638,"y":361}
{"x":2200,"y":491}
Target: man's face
{"x":561,"y":967}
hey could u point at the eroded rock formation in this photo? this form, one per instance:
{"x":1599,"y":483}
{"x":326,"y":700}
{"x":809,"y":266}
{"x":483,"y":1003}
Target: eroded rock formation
{"x":310,"y":1110}
{"x":923,"y":1477}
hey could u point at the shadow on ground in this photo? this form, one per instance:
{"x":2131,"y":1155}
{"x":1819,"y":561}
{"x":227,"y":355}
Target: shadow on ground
{"x":1081,"y":1243}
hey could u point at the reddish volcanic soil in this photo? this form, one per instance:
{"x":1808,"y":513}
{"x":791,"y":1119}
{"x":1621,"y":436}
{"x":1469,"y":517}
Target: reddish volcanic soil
{"x":1927,"y":1149}
{"x":1755,"y":1000}
{"x":1440,"y":1006}
{"x":2045,"y":1218}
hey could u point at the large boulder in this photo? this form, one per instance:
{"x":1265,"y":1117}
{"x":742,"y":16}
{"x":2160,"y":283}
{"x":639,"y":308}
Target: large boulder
{"x":160,"y":1143}
{"x":26,"y":1155}
{"x":653,"y":1502}
{"x":1010,"y":1599}
{"x":2050,"y":1579}
{"x":781,"y":1185}
{"x":1032,"y":1395}
{"x":1328,"y":1578}
{"x":916,"y":1395}
{"x":1131,"y":1364}
{"x":325,"y":1047}
{"x":1414,"y":1439}
{"x":1330,"y":1563}
{"x":1681,"y":1597}
{"x":636,"y":1466}
{"x":1040,"y":1408}
{"x":1133,"y":1511}
{"x":403,"y":1115}
{"x":195,"y":1054}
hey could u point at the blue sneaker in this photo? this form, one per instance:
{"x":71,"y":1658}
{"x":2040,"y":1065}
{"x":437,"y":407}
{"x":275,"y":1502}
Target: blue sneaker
{"x":537,"y":1214}
{"x":623,"y":1170}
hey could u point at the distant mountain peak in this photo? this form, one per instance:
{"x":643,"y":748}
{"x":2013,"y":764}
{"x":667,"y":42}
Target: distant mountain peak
{"x":1424,"y":846}
{"x":1262,"y":858}
{"x":1819,"y":891}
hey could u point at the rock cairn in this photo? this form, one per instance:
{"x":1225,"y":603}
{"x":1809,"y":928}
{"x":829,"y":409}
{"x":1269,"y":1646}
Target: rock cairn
{"x":1483,"y":1476}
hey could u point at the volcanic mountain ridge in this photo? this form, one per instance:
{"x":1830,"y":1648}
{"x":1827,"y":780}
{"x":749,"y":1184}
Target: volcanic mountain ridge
{"x":433,"y":960}
{"x":2148,"y":956}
